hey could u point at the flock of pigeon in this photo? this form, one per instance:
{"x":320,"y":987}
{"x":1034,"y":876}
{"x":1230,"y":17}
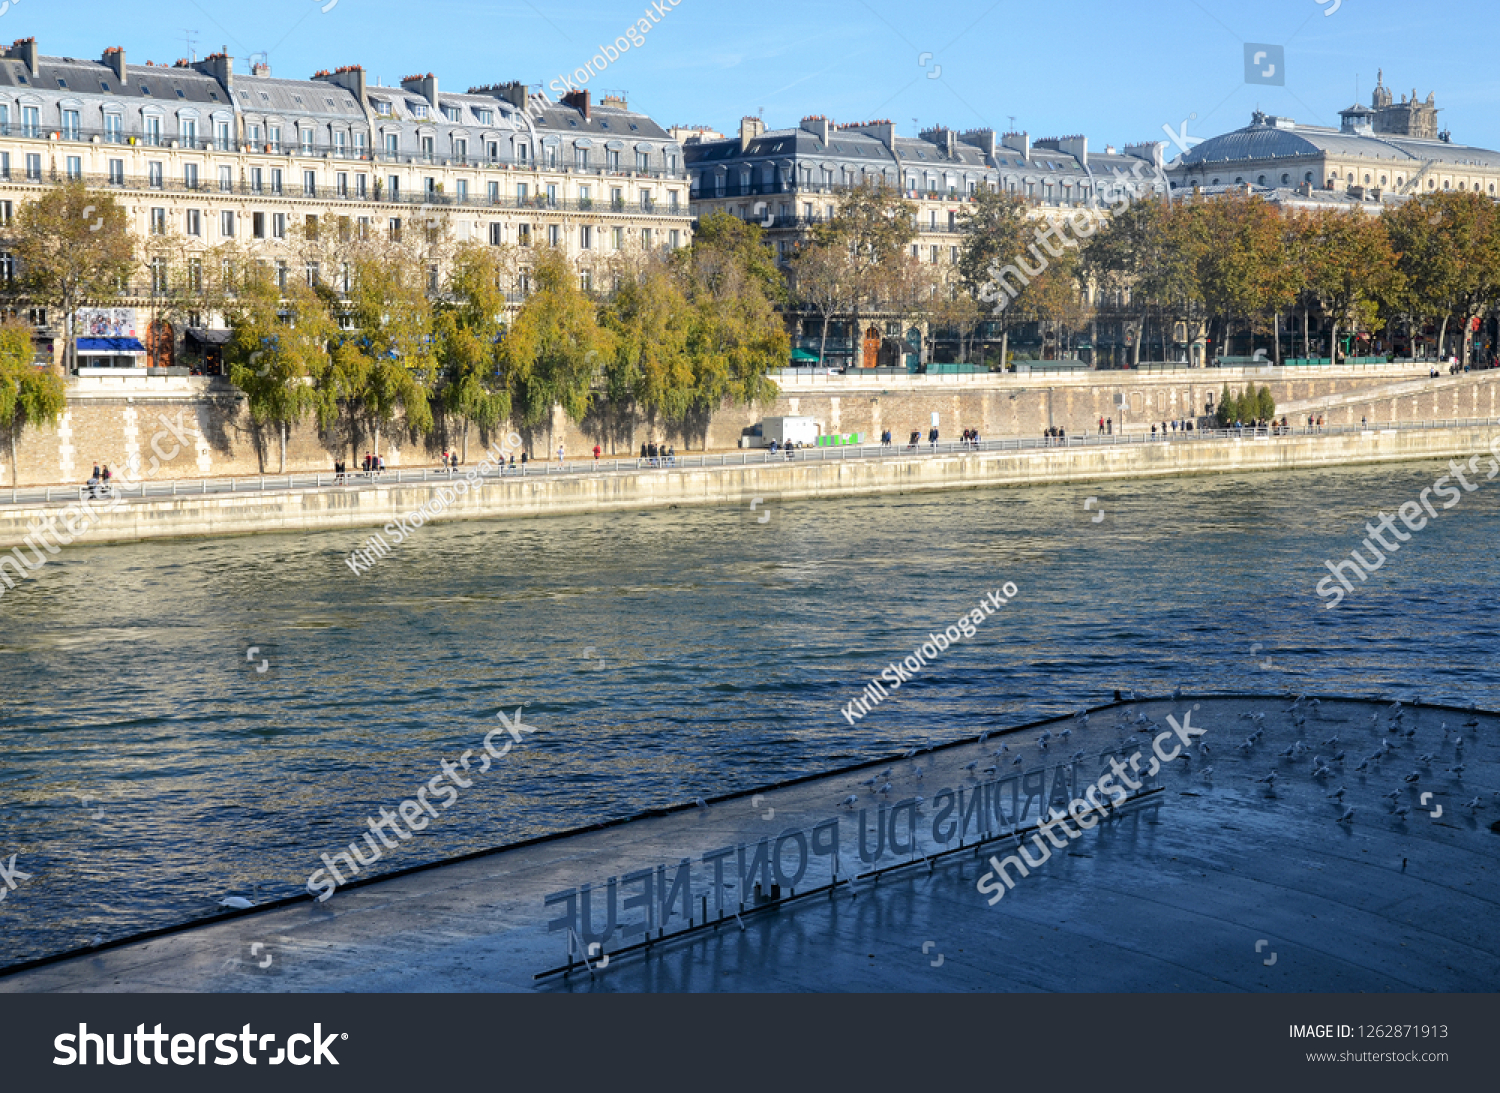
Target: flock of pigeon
{"x":1394,"y":738}
{"x":1329,"y":761}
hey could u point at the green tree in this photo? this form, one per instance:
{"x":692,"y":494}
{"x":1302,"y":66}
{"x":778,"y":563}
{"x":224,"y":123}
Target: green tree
{"x":652,"y":363}
{"x":74,"y":247}
{"x":555,"y":344}
{"x":1449,"y":257}
{"x":1267,"y":404}
{"x":1350,"y":268}
{"x":738,"y":337}
{"x":995,"y":227}
{"x":1228,"y":410}
{"x":28,"y":395}
{"x":385,"y":362}
{"x":469,"y":328}
{"x":278,"y":351}
{"x":875,"y":225}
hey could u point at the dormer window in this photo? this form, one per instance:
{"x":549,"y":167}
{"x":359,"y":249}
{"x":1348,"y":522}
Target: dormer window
{"x":418,"y":110}
{"x":145,"y":90}
{"x":181,"y":94}
{"x":62,"y":83}
{"x":453,"y":113}
{"x":382,"y":108}
{"x":486,"y":117}
{"x":104,"y":86}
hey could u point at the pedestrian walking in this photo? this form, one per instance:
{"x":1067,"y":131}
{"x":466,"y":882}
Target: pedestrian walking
{"x":1109,"y":426}
{"x":932,"y":437}
{"x":1101,"y":426}
{"x":453,"y":462}
{"x":596,"y":455}
{"x":559,"y":455}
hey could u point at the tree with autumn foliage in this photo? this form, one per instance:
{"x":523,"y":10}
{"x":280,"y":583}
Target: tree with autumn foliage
{"x":1448,"y":244}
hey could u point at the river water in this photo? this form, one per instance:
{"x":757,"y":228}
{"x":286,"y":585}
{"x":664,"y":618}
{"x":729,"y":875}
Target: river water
{"x":660,"y":656}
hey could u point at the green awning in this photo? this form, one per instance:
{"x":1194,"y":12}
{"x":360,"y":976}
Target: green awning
{"x":804,"y":355}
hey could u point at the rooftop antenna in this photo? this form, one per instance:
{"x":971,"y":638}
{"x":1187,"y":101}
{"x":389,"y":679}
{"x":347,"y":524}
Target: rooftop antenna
{"x":1012,"y":122}
{"x":187,"y":37}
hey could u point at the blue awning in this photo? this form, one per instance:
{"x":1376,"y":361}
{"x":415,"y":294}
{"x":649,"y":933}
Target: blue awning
{"x":110,"y":345}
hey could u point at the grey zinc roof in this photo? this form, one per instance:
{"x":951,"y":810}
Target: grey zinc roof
{"x":269,"y":95}
{"x":68,"y":76}
{"x":1273,"y":142}
{"x":605,"y":122}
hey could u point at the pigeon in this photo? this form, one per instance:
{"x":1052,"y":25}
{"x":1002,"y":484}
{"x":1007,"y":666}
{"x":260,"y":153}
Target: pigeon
{"x":1338,"y":757}
{"x":971,"y":765}
{"x":1425,"y":759}
{"x":1364,"y":764}
{"x":1456,"y":771}
{"x":1472,"y":723}
{"x":983,"y":737}
{"x":1203,"y":748}
{"x":1142,"y":720}
{"x":1411,"y":732}
{"x":700,"y":802}
{"x":1403,"y":811}
{"x":1047,"y":735}
{"x":1002,"y":749}
{"x":1393,"y":795}
{"x":1177,"y":693}
{"x":1374,"y":719}
{"x":885,"y":775}
{"x":911,"y":753}
{"x":851,"y":800}
{"x":1207,"y":772}
{"x":870,"y":782}
{"x":1396,"y":705}
{"x":1290,"y":751}
{"x":1458,"y":746}
{"x":1414,"y":776}
{"x":1077,"y":755}
{"x":1332,"y":742}
{"x":1475,"y":805}
{"x":989,"y":770}
{"x":1268,"y":779}
{"x":1347,"y":817}
{"x":1016,"y":762}
{"x":1247,"y":745}
{"x":917,"y":773}
{"x":1065,"y":733}
{"x":1446,"y":730}
{"x":884,"y":789}
{"x":1387,"y":746}
{"x":1338,"y":794}
{"x":1042,"y":744}
{"x":1298,"y":747}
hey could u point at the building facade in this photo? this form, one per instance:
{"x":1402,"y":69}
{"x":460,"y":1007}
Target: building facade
{"x":216,"y":156}
{"x":789,"y":180}
{"x":1378,"y":152}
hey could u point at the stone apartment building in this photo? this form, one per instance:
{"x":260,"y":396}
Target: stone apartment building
{"x":217,"y":155}
{"x":789,"y":180}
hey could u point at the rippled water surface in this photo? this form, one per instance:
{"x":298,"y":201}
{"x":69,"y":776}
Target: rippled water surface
{"x":661,"y":656}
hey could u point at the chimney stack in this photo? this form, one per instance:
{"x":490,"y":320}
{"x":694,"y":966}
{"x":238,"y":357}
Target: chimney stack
{"x":426,"y":86}
{"x":581,"y":101}
{"x":1018,"y":142}
{"x":114,"y":56}
{"x":218,"y":65}
{"x":352,"y":79}
{"x":24,"y":49}
{"x":750,"y":129}
{"x":819,"y":126}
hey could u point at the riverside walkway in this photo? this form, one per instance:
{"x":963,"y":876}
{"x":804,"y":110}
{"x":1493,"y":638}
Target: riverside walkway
{"x":539,"y":469}
{"x":1312,"y":844}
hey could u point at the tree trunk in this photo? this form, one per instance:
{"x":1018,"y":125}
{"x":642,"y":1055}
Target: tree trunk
{"x":1442,"y":340}
{"x":1004,"y":347}
{"x":14,"y":468}
{"x":281,"y":431}
{"x":1306,"y":346}
{"x":376,"y":451}
{"x":465,"y":456}
{"x":1135,"y":350}
{"x":823,"y":342}
{"x":1276,"y":323}
{"x":1333,"y":344}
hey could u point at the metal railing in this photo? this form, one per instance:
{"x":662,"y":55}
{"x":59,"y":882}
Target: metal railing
{"x":401,"y":476}
{"x":294,"y":188}
{"x":318,"y":149}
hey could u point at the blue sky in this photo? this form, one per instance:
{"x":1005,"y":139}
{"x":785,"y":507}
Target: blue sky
{"x":1114,"y":71}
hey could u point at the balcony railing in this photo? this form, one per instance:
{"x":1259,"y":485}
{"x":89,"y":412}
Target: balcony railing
{"x":318,"y":150}
{"x":293,"y":189}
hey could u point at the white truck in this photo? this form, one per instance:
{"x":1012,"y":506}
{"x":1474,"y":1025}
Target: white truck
{"x":785,"y":430}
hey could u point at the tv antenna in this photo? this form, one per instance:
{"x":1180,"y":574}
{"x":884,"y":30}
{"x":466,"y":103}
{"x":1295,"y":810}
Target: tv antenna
{"x":1012,"y":118}
{"x":189,"y":36}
